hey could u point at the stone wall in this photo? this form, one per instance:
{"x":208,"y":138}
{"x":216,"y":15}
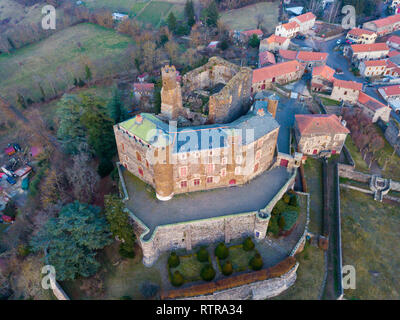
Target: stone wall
{"x":259,"y":290}
{"x":392,"y":135}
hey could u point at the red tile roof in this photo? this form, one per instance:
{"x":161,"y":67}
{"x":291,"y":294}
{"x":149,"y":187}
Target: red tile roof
{"x":347,"y":84}
{"x":312,"y":56}
{"x":291,"y":25}
{"x":266,"y":57}
{"x":375,"y":63}
{"x":392,"y":90}
{"x":251,"y":32}
{"x":288,"y":54}
{"x":324,"y":72}
{"x":393,"y":53}
{"x":386,"y":21}
{"x":359,"y":32}
{"x":319,"y":124}
{"x":370,"y":102}
{"x":394,"y":39}
{"x":276,"y":70}
{"x":369,"y":47}
{"x":143,"y":86}
{"x":276,"y":39}
{"x":306,"y":17}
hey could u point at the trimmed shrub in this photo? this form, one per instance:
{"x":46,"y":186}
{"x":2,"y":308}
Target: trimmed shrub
{"x":294,"y":201}
{"x":280,"y":206}
{"x":177,"y":279}
{"x":281,"y":222}
{"x":221,"y":251}
{"x":202,"y":254}
{"x":207,"y":273}
{"x":286,"y":198}
{"x":227,"y":268}
{"x":273,"y":226}
{"x":173,"y":260}
{"x":256,"y":263}
{"x":248,"y":244}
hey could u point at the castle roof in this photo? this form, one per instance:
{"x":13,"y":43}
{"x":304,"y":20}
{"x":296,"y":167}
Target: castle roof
{"x":319,"y":124}
{"x":152,"y":131}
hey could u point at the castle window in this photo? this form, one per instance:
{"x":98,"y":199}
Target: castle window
{"x":138,"y":156}
{"x":209,"y":179}
{"x":184,"y":184}
{"x":210,"y":168}
{"x":183,"y":156}
{"x":256,"y":167}
{"x":224,"y":160}
{"x":239,"y":159}
{"x":196,"y":182}
{"x":223,"y":172}
{"x":258,"y":155}
{"x":140,"y":171}
{"x":238,"y":170}
{"x":123,"y":147}
{"x":183,"y":171}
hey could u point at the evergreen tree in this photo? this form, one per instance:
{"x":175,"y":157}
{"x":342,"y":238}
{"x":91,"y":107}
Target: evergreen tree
{"x":171,"y":22}
{"x":212,"y":15}
{"x":88,"y":73}
{"x":72,"y":240}
{"x":116,"y":108}
{"x":254,"y":42}
{"x":189,"y":13}
{"x":118,"y":219}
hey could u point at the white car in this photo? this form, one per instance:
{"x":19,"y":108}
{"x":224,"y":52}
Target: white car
{"x":339,"y":41}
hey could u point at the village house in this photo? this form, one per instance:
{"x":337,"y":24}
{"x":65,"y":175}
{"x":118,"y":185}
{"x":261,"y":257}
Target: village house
{"x":143,"y":77}
{"x":280,"y":73}
{"x":287,"y":30}
{"x":347,"y":91}
{"x":322,"y":79}
{"x":266,"y":58}
{"x":244,"y":36}
{"x":305,"y":21}
{"x":372,"y":68}
{"x":316,"y":133}
{"x":143,"y":89}
{"x":274,"y":43}
{"x":394,"y":42}
{"x":308,"y":58}
{"x":373,"y":51}
{"x":361,"y":36}
{"x":374,"y":109}
{"x":390,"y":92}
{"x":395,"y":3}
{"x":383,"y":26}
{"x":392,"y":69}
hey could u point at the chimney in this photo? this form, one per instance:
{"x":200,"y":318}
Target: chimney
{"x":139,"y":119}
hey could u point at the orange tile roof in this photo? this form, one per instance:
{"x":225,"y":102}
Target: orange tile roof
{"x":324,"y":72}
{"x":251,"y":32}
{"x":288,"y":54}
{"x":369,"y":47}
{"x":347,"y":84}
{"x":359,"y":32}
{"x":291,"y":25}
{"x":266,"y":57}
{"x":143,"y":86}
{"x":306,"y":17}
{"x":276,"y":70}
{"x":319,"y":124}
{"x":393,"y":53}
{"x":386,"y":21}
{"x":375,"y":63}
{"x":370,"y":102}
{"x":392,"y":90}
{"x":312,"y":56}
{"x":276,"y":39}
{"x":394,"y":39}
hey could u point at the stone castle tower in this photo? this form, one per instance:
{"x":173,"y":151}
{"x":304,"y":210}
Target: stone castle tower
{"x":273,"y":101}
{"x":171,"y":95}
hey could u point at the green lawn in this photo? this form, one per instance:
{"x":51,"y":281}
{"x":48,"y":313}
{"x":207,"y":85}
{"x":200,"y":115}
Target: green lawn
{"x":330,"y":102}
{"x":189,"y":267}
{"x":371,"y":243}
{"x":313,"y":173}
{"x":361,"y":165}
{"x":239,"y":258}
{"x":392,"y":160}
{"x":154,"y":12}
{"x":310,"y":275}
{"x":246,"y":18}
{"x":55,"y":61}
{"x":122,"y":6}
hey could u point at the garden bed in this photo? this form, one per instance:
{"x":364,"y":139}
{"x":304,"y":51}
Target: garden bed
{"x":239,"y":258}
{"x":190,"y":267}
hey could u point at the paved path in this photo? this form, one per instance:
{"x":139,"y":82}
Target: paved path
{"x":203,"y":205}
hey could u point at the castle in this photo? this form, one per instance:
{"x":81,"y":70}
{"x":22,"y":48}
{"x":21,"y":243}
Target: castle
{"x":178,"y":160}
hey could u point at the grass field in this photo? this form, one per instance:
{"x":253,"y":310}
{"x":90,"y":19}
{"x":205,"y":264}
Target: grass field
{"x":371,"y":243}
{"x":361,"y":165}
{"x":189,"y":267}
{"x":154,"y":12}
{"x":246,"y":18}
{"x":313,"y":173}
{"x":10,"y":9}
{"x":55,"y":61}
{"x":310,"y":275}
